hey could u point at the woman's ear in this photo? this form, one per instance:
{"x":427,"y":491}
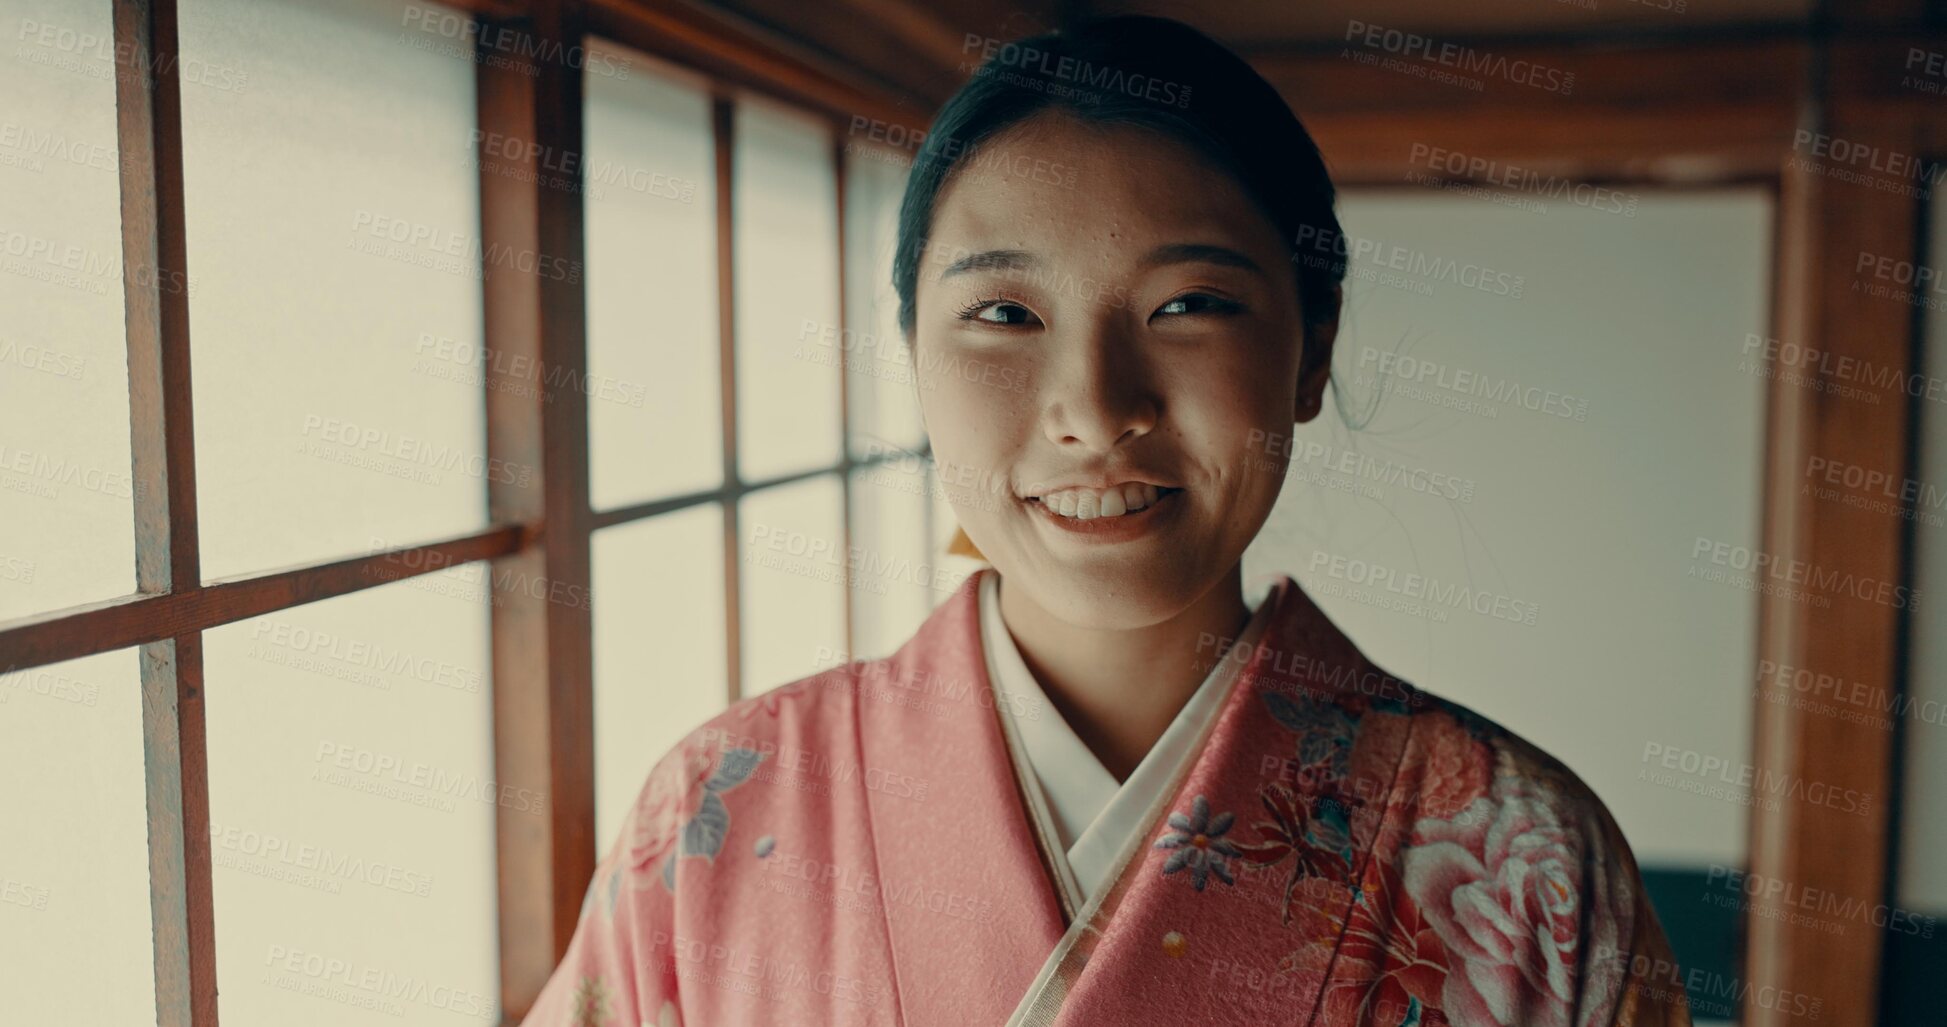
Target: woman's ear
{"x":961,"y":545}
{"x":1315,"y":368}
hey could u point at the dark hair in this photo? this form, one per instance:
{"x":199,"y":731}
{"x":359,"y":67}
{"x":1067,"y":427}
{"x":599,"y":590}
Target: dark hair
{"x":1151,"y":73}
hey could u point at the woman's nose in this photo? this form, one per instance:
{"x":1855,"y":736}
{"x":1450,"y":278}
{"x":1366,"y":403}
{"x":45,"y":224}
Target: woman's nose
{"x":1098,"y":394}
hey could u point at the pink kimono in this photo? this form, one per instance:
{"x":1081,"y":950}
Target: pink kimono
{"x":1340,"y":848}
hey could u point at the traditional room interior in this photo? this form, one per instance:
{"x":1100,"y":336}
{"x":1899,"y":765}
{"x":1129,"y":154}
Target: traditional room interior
{"x":1715,"y":217}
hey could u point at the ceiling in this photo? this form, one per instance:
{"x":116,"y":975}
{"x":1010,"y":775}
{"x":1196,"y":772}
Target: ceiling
{"x":1255,"y":24}
{"x":918,"y":47}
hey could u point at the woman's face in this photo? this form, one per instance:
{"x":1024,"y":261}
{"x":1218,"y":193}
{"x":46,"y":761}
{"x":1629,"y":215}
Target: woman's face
{"x":1100,"y":307}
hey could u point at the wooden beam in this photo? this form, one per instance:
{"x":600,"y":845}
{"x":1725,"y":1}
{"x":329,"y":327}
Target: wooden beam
{"x":1830,"y":831}
{"x":912,"y":47}
{"x":155,"y":296}
{"x":543,"y":656}
{"x":732,"y":492}
{"x":847,"y":584}
{"x":723,"y":129}
{"x":1905,"y":14}
{"x":484,"y":8}
{"x":1706,"y":108}
{"x":929,"y":38}
{"x":1843,"y":239}
{"x":110,"y":624}
{"x":1711,"y":110}
{"x":175,"y":765}
{"x":493,"y":8}
{"x":736,"y":53}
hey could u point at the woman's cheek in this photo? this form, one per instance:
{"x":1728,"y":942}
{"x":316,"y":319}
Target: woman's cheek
{"x":1244,"y":439}
{"x":969,"y":419}
{"x":977,"y":386}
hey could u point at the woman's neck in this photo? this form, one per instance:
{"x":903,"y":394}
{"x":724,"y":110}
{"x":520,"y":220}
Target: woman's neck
{"x":1119,"y":689}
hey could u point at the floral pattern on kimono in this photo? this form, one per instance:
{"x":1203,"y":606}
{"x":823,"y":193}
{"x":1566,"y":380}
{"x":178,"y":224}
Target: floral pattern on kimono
{"x":1493,"y":888}
{"x":853,"y":849}
{"x":1196,"y":841}
{"x":681,"y":808}
{"x":1486,"y":902}
{"x":591,"y":1003}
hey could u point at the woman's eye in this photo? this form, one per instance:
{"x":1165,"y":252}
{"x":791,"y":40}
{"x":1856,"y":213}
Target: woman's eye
{"x":1000,"y":312}
{"x":1196,"y":303}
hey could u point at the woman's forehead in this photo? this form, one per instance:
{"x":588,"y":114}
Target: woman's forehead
{"x":1053,"y":184}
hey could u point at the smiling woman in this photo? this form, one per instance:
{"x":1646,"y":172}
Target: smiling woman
{"x":1098,"y":783}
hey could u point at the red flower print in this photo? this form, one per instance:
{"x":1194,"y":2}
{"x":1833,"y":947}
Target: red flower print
{"x":1311,"y":830}
{"x":1502,"y":886}
{"x":1390,"y":959}
{"x":1442,"y":772}
{"x":1452,"y":772}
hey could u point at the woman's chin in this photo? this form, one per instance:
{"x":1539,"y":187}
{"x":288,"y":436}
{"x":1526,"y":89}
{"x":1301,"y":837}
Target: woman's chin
{"x":1108,"y":595}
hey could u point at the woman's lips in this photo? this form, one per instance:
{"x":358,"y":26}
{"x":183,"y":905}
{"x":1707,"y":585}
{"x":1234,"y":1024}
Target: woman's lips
{"x":1115,"y":528}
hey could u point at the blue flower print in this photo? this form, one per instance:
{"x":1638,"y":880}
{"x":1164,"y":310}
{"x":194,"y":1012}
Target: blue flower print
{"x":1197,"y":841}
{"x":682,"y":813}
{"x":1324,"y":729}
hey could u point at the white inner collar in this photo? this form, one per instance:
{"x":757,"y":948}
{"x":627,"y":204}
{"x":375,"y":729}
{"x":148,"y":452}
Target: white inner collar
{"x":1093,"y":816}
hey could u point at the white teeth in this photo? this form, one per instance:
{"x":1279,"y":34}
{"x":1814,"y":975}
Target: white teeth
{"x":1088,"y":504}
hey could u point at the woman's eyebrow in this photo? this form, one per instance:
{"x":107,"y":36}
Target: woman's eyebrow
{"x":1198,"y":253}
{"x":991,"y":260}
{"x":1171,"y":253}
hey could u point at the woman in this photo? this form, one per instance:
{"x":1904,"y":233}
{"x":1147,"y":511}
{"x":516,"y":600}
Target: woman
{"x":1096,"y":786}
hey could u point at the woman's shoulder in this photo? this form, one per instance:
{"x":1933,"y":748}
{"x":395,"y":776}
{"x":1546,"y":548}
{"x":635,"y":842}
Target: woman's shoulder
{"x":824,"y":707}
{"x":1484,"y":811}
{"x":816,"y":720}
{"x":792,"y":716}
{"x":1473,"y":783}
{"x":1485,"y":759}
{"x":1448,"y":755}
{"x":685,"y":803}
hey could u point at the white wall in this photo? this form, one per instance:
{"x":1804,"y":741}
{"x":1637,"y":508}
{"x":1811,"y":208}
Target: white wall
{"x":1636,"y":322}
